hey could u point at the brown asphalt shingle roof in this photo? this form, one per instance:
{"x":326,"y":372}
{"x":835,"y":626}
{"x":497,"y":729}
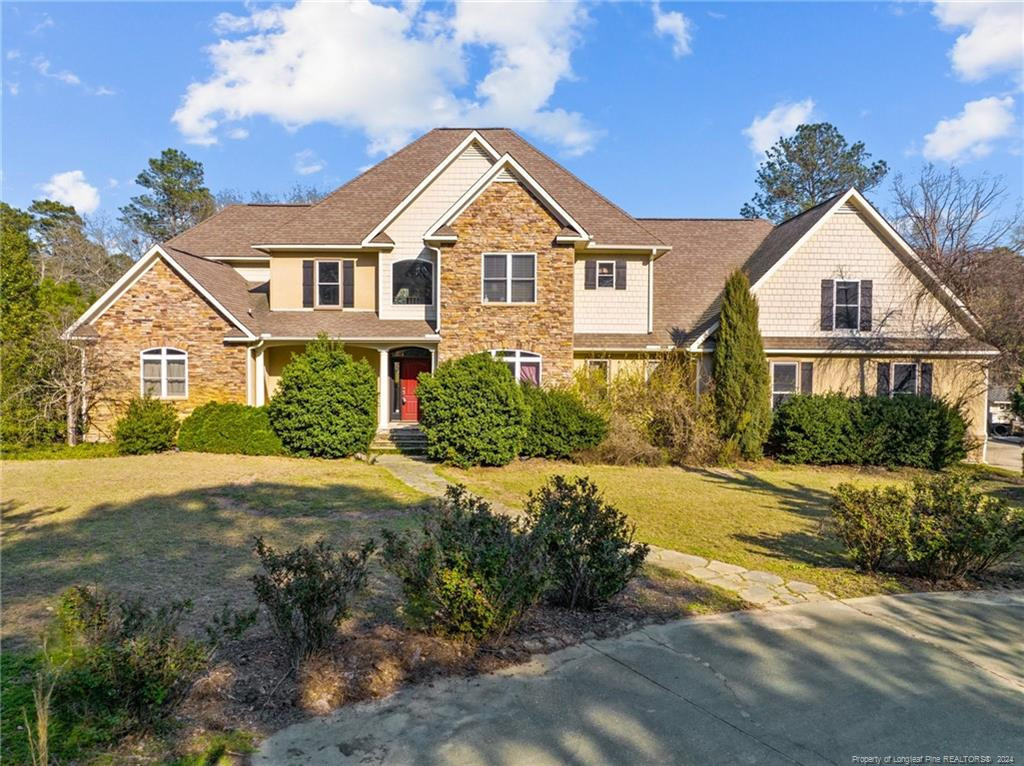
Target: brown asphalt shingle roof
{"x":231,"y":232}
{"x":349,"y":214}
{"x":688,"y":280}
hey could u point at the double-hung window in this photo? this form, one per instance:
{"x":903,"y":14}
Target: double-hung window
{"x":784,"y":382}
{"x":164,"y":373}
{"x":606,"y":274}
{"x":847,"y":305}
{"x":328,"y":283}
{"x":904,"y":378}
{"x":509,"y":278}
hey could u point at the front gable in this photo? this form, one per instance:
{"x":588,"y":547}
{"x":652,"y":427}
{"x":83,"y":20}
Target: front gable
{"x":848,"y":245}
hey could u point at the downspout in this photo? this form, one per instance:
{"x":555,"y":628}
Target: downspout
{"x":437,"y":291}
{"x":650,"y":291}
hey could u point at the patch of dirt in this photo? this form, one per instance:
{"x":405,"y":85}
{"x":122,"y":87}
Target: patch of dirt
{"x":254,"y":687}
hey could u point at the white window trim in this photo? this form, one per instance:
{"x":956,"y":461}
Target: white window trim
{"x":892,"y":379}
{"x":796,"y":380}
{"x":160,"y":354}
{"x":596,"y":364}
{"x":835,"y":303}
{"x":615,"y":274}
{"x":508,"y":280}
{"x":433,"y":284}
{"x":517,"y":357}
{"x":316,"y":284}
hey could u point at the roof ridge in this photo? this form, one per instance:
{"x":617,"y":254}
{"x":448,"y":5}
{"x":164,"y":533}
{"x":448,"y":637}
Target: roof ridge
{"x":587,"y":186}
{"x":272,"y":204}
{"x":833,"y":198}
{"x":733,"y":220}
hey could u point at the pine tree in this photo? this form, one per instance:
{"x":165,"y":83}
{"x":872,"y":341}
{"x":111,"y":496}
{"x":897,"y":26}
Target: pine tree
{"x":19,"y":309}
{"x":742,"y":391}
{"x":179,"y":198}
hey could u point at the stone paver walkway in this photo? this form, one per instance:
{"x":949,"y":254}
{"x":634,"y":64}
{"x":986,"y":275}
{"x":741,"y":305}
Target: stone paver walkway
{"x":753,"y":586}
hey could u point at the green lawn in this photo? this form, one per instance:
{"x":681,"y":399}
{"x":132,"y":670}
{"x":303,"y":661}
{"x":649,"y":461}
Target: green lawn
{"x":764,"y":518}
{"x":174,"y":525}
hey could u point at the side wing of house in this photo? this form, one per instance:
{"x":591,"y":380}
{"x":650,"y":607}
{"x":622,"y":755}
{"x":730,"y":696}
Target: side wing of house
{"x":849,"y":308}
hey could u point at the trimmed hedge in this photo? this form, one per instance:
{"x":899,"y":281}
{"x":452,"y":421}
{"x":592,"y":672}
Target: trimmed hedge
{"x":832,"y":429}
{"x":149,"y":425}
{"x":229,"y":429}
{"x":474,"y":412}
{"x":326,"y":403}
{"x":559,"y":424}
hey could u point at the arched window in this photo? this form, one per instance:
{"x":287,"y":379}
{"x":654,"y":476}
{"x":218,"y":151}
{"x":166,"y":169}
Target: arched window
{"x":525,"y":365}
{"x":412,"y":283}
{"x":164,"y":373}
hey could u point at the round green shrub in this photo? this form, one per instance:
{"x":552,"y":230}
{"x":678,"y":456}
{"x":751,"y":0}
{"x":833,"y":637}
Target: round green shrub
{"x":149,"y":425}
{"x":473,"y":412}
{"x":815,"y":429}
{"x":326,"y":403}
{"x":233,"y":429}
{"x":559,"y":425}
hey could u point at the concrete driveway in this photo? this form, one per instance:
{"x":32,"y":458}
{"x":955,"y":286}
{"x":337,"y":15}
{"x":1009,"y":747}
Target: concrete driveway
{"x":827,"y":682}
{"x":1004,"y":452}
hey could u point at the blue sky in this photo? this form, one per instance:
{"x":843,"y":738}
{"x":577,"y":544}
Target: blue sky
{"x":662,"y":108}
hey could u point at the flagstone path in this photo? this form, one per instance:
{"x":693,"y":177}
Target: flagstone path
{"x":752,"y":585}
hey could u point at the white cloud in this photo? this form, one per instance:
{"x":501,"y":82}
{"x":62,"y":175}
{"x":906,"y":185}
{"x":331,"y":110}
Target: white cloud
{"x":238,"y":134}
{"x":994,"y":41}
{"x":113,"y":183}
{"x":103,"y":90}
{"x":44,"y":68}
{"x":780,"y":122}
{"x":307,"y":163}
{"x":970,"y":134}
{"x":71,"y":188}
{"x":46,"y":23}
{"x":13,"y":88}
{"x":13,"y":54}
{"x":391,"y":71}
{"x":675,"y":25}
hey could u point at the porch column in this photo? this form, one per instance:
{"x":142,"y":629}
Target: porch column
{"x":259,"y":381}
{"x":382,"y":392}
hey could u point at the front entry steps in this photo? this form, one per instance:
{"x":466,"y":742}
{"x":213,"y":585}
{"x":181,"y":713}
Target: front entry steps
{"x":405,"y":438}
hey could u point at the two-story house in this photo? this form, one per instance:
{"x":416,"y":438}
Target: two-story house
{"x":473,"y":240}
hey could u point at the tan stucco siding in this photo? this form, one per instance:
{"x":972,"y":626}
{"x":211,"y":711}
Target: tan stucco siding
{"x":286,"y":279}
{"x":408,"y":228}
{"x":606,"y":309}
{"x":847,"y":247}
{"x":276,"y":357}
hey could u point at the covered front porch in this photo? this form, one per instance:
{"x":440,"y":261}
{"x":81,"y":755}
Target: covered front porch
{"x":397,"y":364}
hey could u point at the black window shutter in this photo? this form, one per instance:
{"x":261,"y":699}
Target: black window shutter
{"x":307,"y":284}
{"x":865,"y":304}
{"x":620,"y":275}
{"x":883,"y":379}
{"x":827,"y":296}
{"x":348,"y":283}
{"x":590,"y":275}
{"x":926,"y":379}
{"x":807,"y":378}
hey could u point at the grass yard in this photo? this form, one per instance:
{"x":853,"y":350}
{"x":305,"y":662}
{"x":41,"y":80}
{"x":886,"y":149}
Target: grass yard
{"x":764,"y":518}
{"x":174,"y":526}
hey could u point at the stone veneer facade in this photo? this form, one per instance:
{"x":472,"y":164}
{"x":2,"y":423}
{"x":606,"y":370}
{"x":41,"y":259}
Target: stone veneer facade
{"x":506,"y":218}
{"x":161,"y":309}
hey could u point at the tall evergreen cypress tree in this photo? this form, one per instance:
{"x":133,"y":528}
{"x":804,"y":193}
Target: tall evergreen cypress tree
{"x":742,"y":389}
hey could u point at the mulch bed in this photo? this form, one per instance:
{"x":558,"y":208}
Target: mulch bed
{"x":254,"y":688}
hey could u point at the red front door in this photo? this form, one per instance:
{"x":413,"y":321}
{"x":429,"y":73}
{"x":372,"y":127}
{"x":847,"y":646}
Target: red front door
{"x":408,"y":372}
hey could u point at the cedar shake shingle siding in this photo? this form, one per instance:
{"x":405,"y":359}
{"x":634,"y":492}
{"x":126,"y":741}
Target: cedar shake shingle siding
{"x":610,"y":310}
{"x":846,"y":247}
{"x":161,"y":309}
{"x":506,"y":218}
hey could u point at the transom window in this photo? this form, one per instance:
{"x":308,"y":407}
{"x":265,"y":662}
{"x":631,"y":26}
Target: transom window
{"x":904,"y":378}
{"x":606,"y":274}
{"x":412,"y":283}
{"x":328,"y":283}
{"x":784,"y":382}
{"x":524,"y":365}
{"x":847,"y":306}
{"x":510,"y":278}
{"x":164,"y":373}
